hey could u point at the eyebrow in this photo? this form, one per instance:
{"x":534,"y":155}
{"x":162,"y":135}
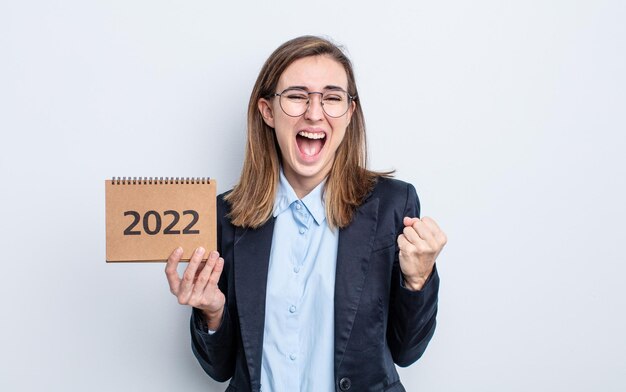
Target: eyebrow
{"x":331,"y":87}
{"x":328,"y":87}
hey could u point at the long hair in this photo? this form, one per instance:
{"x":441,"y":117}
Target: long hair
{"x":348,"y":183}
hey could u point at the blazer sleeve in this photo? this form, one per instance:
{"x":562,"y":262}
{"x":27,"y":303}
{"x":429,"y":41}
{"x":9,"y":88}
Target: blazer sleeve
{"x":216,"y":351}
{"x":412,"y":314}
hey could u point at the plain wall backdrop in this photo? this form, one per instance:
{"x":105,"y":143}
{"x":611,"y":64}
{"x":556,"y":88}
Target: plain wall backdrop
{"x":507,"y":116}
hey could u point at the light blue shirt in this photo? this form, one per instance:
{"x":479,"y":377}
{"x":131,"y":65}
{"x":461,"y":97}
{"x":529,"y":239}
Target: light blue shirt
{"x":298,"y":340}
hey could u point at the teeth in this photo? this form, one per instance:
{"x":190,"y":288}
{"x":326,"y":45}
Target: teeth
{"x":311,"y":135}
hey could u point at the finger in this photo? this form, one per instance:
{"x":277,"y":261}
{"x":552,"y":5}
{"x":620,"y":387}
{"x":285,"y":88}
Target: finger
{"x":199,"y":270}
{"x":217,"y":272}
{"x":430,"y":222}
{"x":424,"y":231}
{"x":203,"y":277}
{"x":409,"y":246}
{"x":189,"y":275}
{"x":403,"y":243}
{"x":413,"y":236}
{"x":439,"y":235}
{"x":408,"y":221}
{"x":211,"y":290}
{"x":170,"y":270}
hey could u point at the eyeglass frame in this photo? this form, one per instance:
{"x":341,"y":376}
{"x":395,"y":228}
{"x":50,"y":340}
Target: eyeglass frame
{"x":308,"y":102}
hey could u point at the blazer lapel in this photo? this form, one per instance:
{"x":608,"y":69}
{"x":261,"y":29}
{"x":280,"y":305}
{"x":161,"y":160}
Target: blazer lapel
{"x":252,"y":253}
{"x":353,"y":255}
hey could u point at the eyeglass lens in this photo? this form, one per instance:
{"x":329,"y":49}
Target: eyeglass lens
{"x":295,"y":102}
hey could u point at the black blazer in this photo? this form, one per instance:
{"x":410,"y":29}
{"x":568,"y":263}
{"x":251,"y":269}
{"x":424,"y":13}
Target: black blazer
{"x":378,"y":322}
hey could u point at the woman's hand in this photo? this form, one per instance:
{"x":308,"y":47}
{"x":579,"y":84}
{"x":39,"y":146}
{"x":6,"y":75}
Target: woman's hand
{"x":420,"y":244}
{"x":198,"y":287}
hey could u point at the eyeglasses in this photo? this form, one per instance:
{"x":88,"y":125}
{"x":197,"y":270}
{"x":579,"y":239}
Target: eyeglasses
{"x":296,"y":101}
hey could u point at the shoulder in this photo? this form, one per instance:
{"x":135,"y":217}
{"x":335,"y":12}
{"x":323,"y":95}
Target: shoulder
{"x":225,"y":229}
{"x":223,"y":209}
{"x":222,"y":196}
{"x":221,"y":200}
{"x":388,"y":184}
{"x":393,"y":188}
{"x":395,"y":194}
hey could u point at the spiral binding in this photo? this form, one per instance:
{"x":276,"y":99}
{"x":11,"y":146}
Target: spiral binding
{"x":159,"y":180}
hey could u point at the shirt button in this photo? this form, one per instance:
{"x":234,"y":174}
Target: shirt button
{"x":302,"y":230}
{"x":345,"y":384}
{"x":292,"y":357}
{"x":298,"y":206}
{"x":292,"y":309}
{"x":296,"y":269}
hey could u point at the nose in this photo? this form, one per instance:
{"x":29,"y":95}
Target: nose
{"x":314,"y":110}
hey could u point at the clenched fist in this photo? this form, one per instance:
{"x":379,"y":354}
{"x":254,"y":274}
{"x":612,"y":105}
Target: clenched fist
{"x":198,"y":287}
{"x":420,"y":244}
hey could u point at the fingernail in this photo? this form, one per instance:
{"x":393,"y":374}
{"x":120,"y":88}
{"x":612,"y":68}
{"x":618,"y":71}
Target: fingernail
{"x":200,"y":251}
{"x":214,"y":255}
{"x":179,"y":251}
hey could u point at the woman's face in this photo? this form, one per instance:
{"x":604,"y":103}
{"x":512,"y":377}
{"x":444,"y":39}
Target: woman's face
{"x":308,"y":143}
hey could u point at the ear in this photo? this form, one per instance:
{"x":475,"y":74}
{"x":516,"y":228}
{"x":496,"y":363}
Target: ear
{"x":265,"y":108}
{"x":351,"y":110}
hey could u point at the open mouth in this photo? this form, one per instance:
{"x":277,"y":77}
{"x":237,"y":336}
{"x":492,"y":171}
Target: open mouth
{"x":310,"y":143}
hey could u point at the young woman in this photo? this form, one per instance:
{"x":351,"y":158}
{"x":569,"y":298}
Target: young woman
{"x":327,"y":275}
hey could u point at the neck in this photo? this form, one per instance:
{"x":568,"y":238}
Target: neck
{"x":303,"y":185}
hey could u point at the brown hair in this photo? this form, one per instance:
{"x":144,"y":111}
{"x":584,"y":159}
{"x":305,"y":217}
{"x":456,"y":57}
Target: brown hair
{"x":348,"y":183}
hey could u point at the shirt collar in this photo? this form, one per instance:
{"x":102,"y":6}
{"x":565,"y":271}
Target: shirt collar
{"x":314,"y":201}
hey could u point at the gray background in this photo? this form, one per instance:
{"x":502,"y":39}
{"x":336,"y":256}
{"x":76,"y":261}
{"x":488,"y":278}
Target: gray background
{"x":508,"y":116}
